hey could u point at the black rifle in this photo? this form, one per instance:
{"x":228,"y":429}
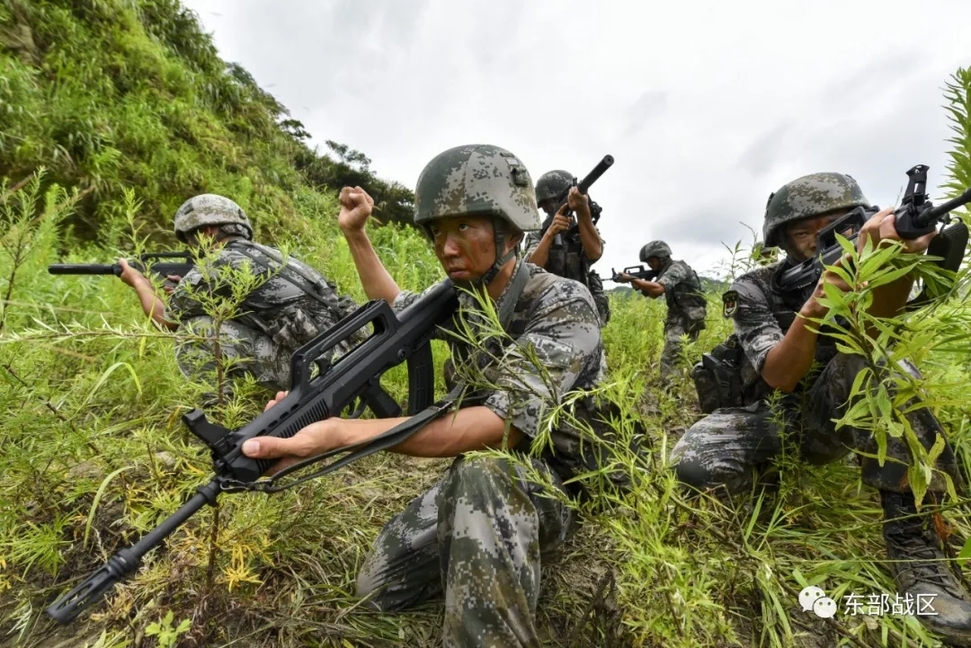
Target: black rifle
{"x":915,"y":217}
{"x":319,"y":390}
{"x":159,"y":263}
{"x":638,"y":272}
{"x":583,"y":187}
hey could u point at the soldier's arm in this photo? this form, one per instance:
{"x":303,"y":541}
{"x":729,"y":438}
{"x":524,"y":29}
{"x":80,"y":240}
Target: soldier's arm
{"x":538,"y":248}
{"x":356,"y":207}
{"x":151,"y":304}
{"x":561,"y":342}
{"x":673,"y":275}
{"x":782,"y":359}
{"x":375,"y":279}
{"x":154,"y":307}
{"x":589,"y":236}
{"x":467,"y":430}
{"x":789,"y":361}
{"x":647,"y":288}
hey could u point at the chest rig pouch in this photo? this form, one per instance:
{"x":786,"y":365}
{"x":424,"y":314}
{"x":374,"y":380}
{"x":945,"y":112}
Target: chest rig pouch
{"x":718,"y":377}
{"x":723,"y":377}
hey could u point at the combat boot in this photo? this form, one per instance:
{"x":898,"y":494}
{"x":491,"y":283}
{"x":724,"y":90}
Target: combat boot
{"x":924,"y":578}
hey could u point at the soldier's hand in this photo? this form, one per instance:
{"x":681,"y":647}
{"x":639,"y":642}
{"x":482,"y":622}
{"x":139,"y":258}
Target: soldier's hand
{"x":311,"y":441}
{"x":560,"y":223}
{"x":356,"y":207}
{"x":171,"y":281}
{"x":623,"y":277}
{"x":882,"y":226}
{"x":130,"y":275}
{"x":577,"y":201}
{"x":280,"y":395}
{"x":813,"y":308}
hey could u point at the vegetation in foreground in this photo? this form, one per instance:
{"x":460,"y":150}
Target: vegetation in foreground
{"x":95,"y":454}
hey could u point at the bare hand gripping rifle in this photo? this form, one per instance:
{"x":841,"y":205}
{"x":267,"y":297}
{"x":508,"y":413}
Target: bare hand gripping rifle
{"x":915,"y":217}
{"x":319,"y":390}
{"x":583,"y":187}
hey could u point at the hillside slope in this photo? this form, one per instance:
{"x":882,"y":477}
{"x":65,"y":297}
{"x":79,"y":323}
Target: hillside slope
{"x":126,"y":103}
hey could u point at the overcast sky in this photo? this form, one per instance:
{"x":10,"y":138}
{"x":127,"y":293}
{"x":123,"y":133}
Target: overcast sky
{"x":707,"y":107}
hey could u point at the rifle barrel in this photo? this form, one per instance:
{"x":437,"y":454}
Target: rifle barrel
{"x":594,"y":175}
{"x":82,"y":269}
{"x":124,"y":562}
{"x":938,"y":211}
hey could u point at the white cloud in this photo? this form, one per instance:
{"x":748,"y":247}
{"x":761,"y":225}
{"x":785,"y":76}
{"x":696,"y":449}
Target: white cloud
{"x":707,"y":107}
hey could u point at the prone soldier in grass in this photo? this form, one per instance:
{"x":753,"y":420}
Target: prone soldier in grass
{"x":290,"y":302}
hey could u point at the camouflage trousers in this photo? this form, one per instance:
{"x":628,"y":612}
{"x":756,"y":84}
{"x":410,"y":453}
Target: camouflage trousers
{"x":476,"y":536}
{"x":730,"y":445}
{"x":671,"y":354}
{"x":238,"y":350}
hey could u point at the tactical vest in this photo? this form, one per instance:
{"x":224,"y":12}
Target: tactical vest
{"x":686,"y":294}
{"x":568,"y":260}
{"x":599,"y":415}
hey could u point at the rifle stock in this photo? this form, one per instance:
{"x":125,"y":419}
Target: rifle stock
{"x":319,"y":389}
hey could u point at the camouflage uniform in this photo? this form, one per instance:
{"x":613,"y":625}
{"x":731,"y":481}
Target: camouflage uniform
{"x":478,"y":535}
{"x":686,"y":311}
{"x":566,"y":257}
{"x":569,"y":260}
{"x":725,"y":447}
{"x":272,"y":321}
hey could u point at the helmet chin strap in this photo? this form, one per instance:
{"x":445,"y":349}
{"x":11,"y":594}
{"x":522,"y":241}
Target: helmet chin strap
{"x":500,"y":238}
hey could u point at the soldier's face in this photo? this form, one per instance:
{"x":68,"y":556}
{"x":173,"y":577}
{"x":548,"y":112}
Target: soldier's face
{"x":801,"y":235}
{"x":548,"y":206}
{"x":465,"y":246}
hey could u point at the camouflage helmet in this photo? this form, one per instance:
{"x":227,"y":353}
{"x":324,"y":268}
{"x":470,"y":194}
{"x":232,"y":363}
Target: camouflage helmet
{"x":658,"y":249}
{"x":209,"y":209}
{"x":811,"y":195}
{"x":552,"y":183}
{"x":476,"y":180}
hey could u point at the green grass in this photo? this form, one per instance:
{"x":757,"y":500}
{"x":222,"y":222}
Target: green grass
{"x":95,"y":456}
{"x":127,"y":105}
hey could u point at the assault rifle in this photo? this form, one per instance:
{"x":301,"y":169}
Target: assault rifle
{"x":162,"y":264}
{"x":319,"y":389}
{"x":915,"y":217}
{"x":638,"y":272}
{"x":583,"y":187}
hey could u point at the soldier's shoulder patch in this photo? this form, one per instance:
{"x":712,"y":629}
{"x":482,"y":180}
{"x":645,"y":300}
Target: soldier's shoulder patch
{"x":729,"y":303}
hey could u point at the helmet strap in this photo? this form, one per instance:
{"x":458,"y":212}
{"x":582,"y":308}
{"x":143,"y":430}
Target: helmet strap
{"x":502,"y":259}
